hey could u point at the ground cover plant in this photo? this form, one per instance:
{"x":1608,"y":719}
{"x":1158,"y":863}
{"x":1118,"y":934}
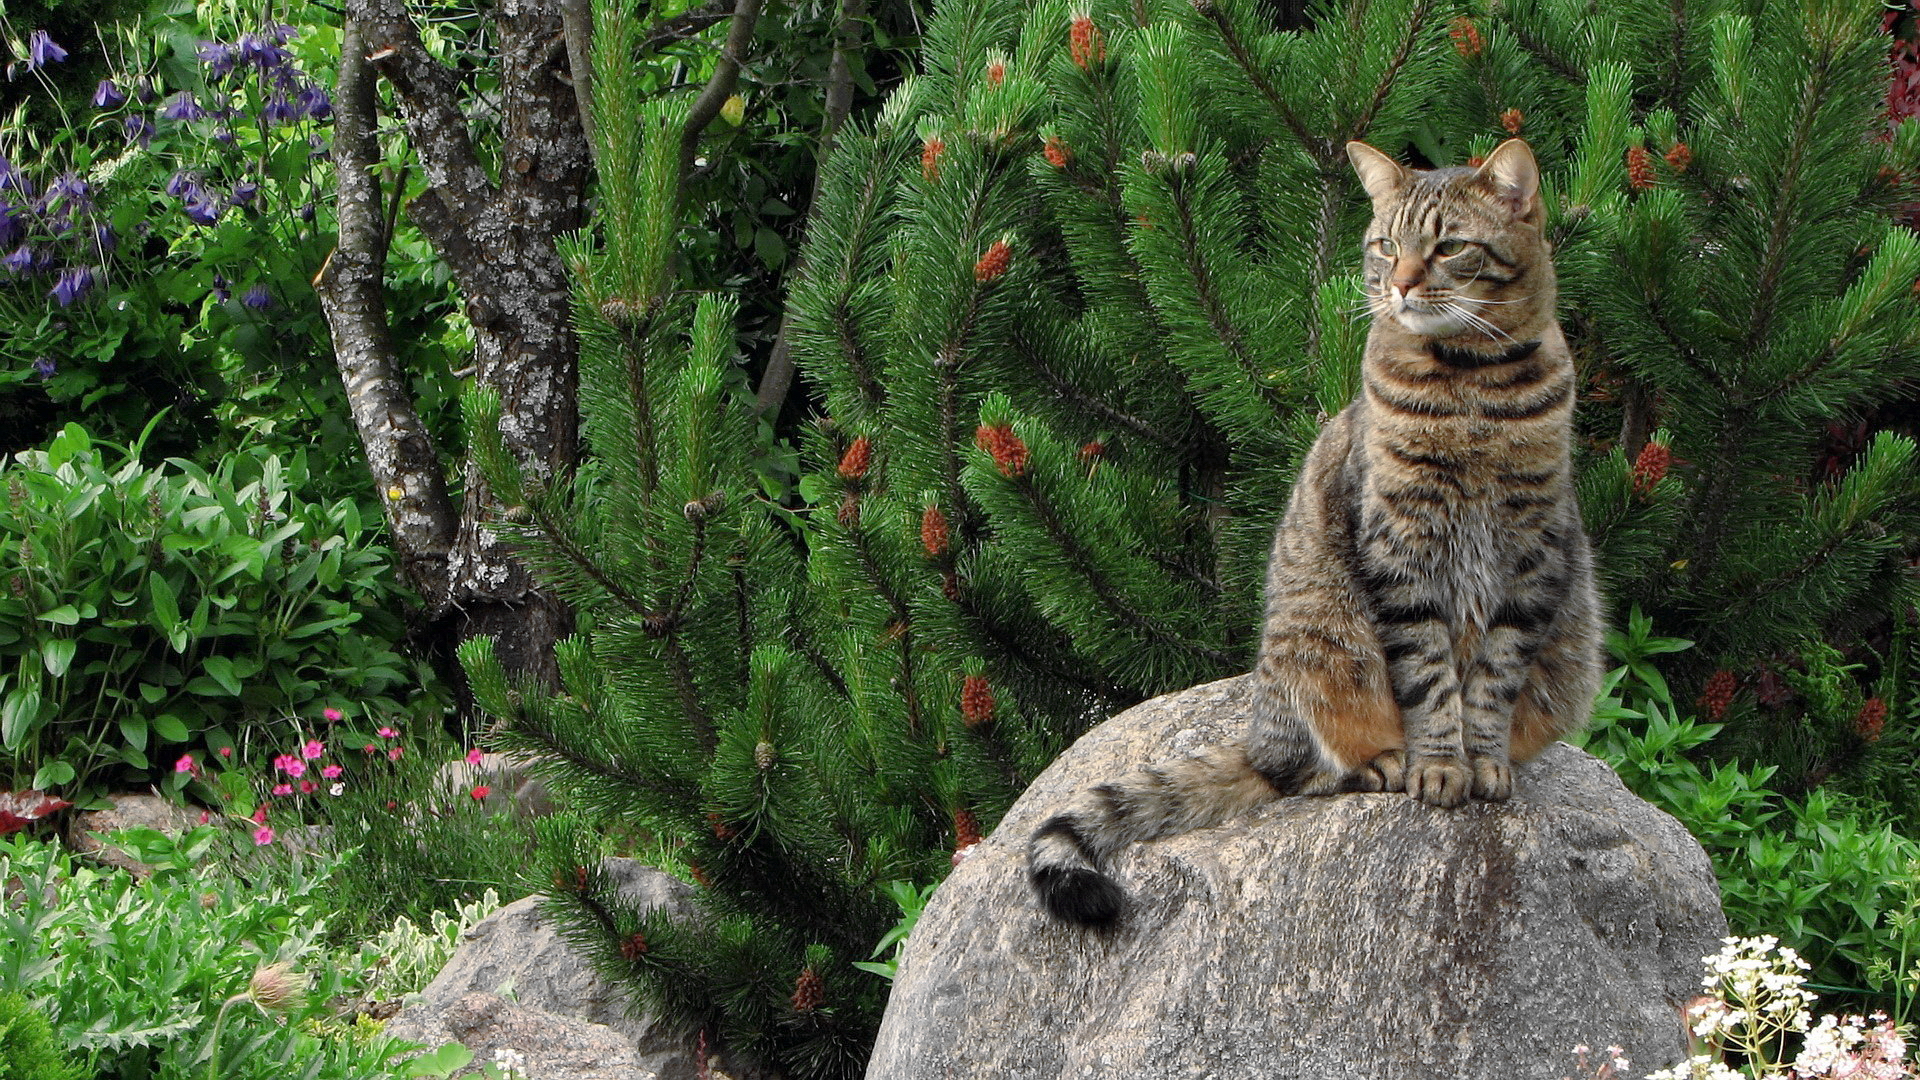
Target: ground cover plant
{"x":185,"y":975}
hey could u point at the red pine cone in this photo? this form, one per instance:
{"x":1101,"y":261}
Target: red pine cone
{"x":1680,"y":158}
{"x":993,"y":263}
{"x":809,"y":991}
{"x":1650,"y":467}
{"x":930,"y":157}
{"x":1639,"y":168}
{"x":976,"y":700}
{"x":1871,"y":721}
{"x":1476,"y":161}
{"x":996,"y":73}
{"x":1056,"y":152}
{"x":721,"y":830}
{"x":1092,"y":452}
{"x":1466,"y":38}
{"x":950,"y":586}
{"x":1718,"y":694}
{"x":853,"y":463}
{"x":933,"y":531}
{"x":634,"y":947}
{"x":1085,"y":43}
{"x":1511,"y":120}
{"x":1008,"y":451}
{"x":966,"y":829}
{"x":849,"y":512}
{"x":699,"y":875}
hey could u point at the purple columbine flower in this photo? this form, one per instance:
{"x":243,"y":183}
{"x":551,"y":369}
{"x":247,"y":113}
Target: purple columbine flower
{"x":12,"y":227}
{"x":11,"y":177}
{"x":182,"y":184}
{"x":281,"y":33}
{"x":257,"y":298}
{"x":279,"y":110}
{"x":72,"y":191}
{"x":313,"y":101}
{"x":223,"y":135}
{"x":306,"y":212}
{"x":104,"y":241}
{"x":45,"y":368}
{"x":219,"y":58}
{"x":72,"y":284}
{"x":143,"y":91}
{"x":138,"y":129}
{"x":20,"y":261}
{"x":108,"y":96}
{"x":202,"y":210}
{"x":220,"y":290}
{"x":181,"y":106}
{"x":262,"y":53}
{"x":42,"y":51}
{"x":244,"y":192}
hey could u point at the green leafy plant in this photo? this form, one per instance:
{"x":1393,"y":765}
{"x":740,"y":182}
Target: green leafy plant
{"x":27,"y":1047}
{"x":133,"y":973}
{"x":161,"y":609}
{"x":1823,"y":871}
{"x":912,"y":900}
{"x":405,"y":957}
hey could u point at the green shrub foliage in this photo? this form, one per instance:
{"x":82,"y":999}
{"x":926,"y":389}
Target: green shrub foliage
{"x":1075,"y":303}
{"x":132,"y":974}
{"x":153,"y":610}
{"x":27,"y":1047}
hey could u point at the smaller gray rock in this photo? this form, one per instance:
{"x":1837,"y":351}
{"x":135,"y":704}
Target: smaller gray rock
{"x":548,"y":1046}
{"x":514,"y":951}
{"x":86,"y":830}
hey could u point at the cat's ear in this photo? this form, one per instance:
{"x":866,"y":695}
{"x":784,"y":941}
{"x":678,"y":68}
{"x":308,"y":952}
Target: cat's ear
{"x":1515,"y":178}
{"x":1379,"y":174}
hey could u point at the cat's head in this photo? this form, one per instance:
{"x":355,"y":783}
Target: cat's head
{"x":1458,"y":254}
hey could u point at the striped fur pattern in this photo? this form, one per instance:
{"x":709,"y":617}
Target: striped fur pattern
{"x":1431,"y":616}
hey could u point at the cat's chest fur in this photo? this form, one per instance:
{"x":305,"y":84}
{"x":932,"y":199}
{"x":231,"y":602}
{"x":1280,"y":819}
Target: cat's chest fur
{"x":1462,"y":472}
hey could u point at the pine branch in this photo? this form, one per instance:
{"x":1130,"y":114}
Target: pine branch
{"x":1416,"y":25}
{"x":1083,"y":564}
{"x":1323,"y":149}
{"x":1211,"y":305}
{"x":1811,"y":101}
{"x":1072,"y":394}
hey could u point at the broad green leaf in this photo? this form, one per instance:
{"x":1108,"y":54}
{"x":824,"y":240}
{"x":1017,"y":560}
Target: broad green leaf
{"x":134,"y":730}
{"x":53,"y":774}
{"x":64,"y":615}
{"x":57,"y":655}
{"x":170,"y":728}
{"x":18,"y":716}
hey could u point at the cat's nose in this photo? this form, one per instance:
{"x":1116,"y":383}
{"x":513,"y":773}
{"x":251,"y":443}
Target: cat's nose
{"x":1408,"y":274}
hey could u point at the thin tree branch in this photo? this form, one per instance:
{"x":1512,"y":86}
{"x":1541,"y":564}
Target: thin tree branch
{"x":577,"y":18}
{"x":777,"y":381}
{"x":726,"y":75}
{"x":429,"y":94}
{"x":687,"y":24}
{"x":400,"y":453}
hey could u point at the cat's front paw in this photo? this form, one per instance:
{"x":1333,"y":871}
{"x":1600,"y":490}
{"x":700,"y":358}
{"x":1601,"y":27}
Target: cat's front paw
{"x":1386,"y":772}
{"x":1442,"y":782}
{"x":1492,"y":779}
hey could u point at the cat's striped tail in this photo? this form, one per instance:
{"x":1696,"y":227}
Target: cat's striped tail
{"x":1067,"y":854}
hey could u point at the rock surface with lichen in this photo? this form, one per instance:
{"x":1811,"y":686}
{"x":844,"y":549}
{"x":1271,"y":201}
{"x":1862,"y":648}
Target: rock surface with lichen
{"x":1355,"y":936}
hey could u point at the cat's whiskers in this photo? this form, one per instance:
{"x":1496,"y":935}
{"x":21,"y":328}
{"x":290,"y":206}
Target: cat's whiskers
{"x":1478,"y":322}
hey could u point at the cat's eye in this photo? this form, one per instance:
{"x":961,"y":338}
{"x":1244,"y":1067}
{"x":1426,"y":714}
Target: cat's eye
{"x":1385,"y":247}
{"x":1449,"y":247}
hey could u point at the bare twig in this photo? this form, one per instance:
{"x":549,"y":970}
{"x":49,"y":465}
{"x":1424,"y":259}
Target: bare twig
{"x":726,"y":75}
{"x":577,"y":17}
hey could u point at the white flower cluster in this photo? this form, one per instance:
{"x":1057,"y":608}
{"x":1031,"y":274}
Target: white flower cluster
{"x":1851,"y":1048}
{"x":511,"y":1063}
{"x":1757,"y":997}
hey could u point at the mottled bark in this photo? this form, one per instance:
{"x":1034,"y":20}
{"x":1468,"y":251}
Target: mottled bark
{"x":400,"y":453}
{"x":498,"y":238}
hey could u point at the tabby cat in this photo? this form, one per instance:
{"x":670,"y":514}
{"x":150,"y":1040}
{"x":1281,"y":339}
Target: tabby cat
{"x":1431,"y":616}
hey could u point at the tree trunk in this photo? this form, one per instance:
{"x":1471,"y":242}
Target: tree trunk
{"x":499,"y":239}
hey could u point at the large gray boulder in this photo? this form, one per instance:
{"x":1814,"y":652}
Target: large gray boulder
{"x":1359,"y":936}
